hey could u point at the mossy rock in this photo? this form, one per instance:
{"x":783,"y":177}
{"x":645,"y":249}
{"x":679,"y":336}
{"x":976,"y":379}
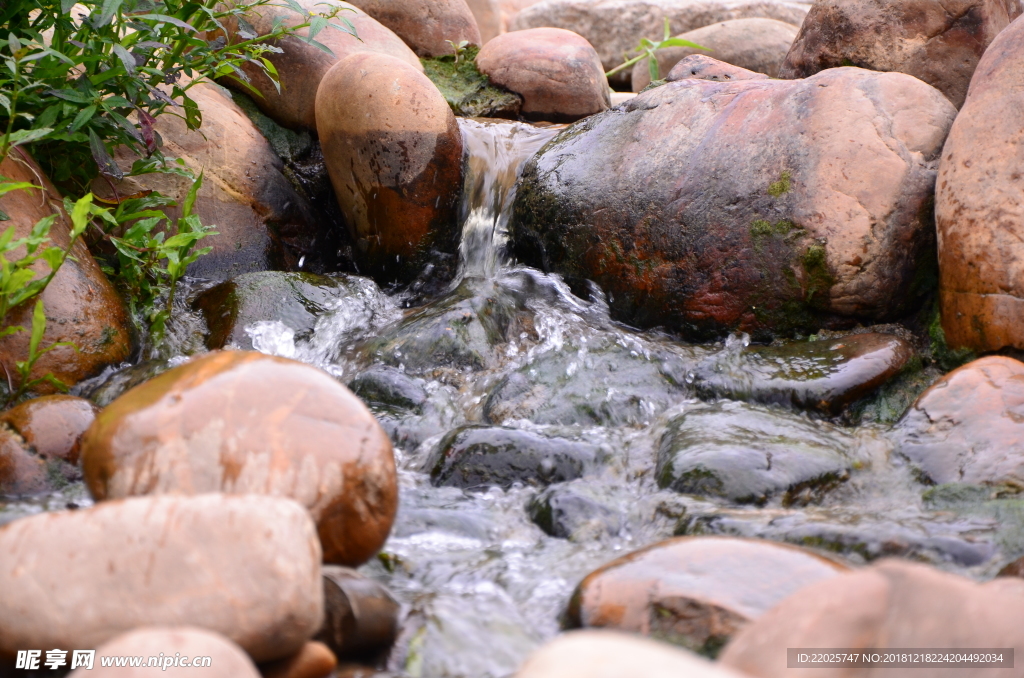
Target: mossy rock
{"x":468,"y":91}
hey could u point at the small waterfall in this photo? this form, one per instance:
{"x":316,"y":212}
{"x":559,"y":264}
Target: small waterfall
{"x":496,"y":153}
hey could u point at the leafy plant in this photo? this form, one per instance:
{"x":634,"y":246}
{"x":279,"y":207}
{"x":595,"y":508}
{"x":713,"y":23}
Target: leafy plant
{"x":459,"y":49}
{"x":648,"y":50}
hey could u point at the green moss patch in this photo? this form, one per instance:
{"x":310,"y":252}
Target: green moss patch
{"x":468,"y":91}
{"x":782,"y":186}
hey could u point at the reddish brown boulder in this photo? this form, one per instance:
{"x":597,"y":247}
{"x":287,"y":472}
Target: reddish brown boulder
{"x":969,"y":426}
{"x":700,"y":67}
{"x":178,"y":647}
{"x":395,"y":160}
{"x":302,"y":66}
{"x":21,"y":472}
{"x":243,"y":422}
{"x":247,"y":567}
{"x":426,"y":25}
{"x":314,"y":660}
{"x":488,"y":18}
{"x":82,"y":307}
{"x":755,"y":44}
{"x":937,"y":41}
{"x":52,"y":425}
{"x":788,"y":206}
{"x":694,"y":591}
{"x":979,"y":209}
{"x":557,"y":73}
{"x":893,"y":604}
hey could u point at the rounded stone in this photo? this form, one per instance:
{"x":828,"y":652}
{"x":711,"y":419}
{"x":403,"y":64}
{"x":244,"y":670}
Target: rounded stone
{"x":557,"y":72}
{"x":426,"y":26}
{"x":246,"y":567}
{"x":243,"y":422}
{"x":395,"y":160}
{"x":700,"y":67}
{"x":52,"y":425}
{"x":21,"y":472}
{"x":488,"y":18}
{"x":361,"y":617}
{"x":314,"y":660}
{"x":227,"y":660}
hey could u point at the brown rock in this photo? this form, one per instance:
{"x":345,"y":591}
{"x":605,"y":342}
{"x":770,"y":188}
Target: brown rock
{"x":694,"y":591}
{"x":302,"y":66}
{"x":788,"y":206}
{"x":700,"y":67}
{"x":242,"y":422}
{"x":314,"y":660}
{"x":979,"y":210}
{"x":893,"y":604}
{"x":360,"y":615}
{"x":395,"y":160}
{"x":227,"y":660}
{"x":21,"y":472}
{"x":262,"y":222}
{"x":52,"y":425}
{"x":969,"y":426}
{"x":557,"y":73}
{"x":937,"y":41}
{"x":426,"y":25}
{"x":82,"y":307}
{"x":755,"y":44}
{"x":246,"y":567}
{"x":1014,"y":569}
{"x":607,"y":654}
{"x":488,"y":18}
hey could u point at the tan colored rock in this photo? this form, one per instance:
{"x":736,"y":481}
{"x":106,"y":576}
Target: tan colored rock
{"x":755,"y":44}
{"x":243,"y":422}
{"x":557,"y":73}
{"x":607,"y":654}
{"x":695,"y":591}
{"x":426,"y":25}
{"x":969,"y":426}
{"x":82,"y":307}
{"x":979,"y":208}
{"x":937,"y":41}
{"x":21,"y":472}
{"x":700,"y":67}
{"x":163,"y":645}
{"x":52,"y":425}
{"x":893,"y":604}
{"x":302,"y":66}
{"x":395,"y":160}
{"x":246,"y":567}
{"x":314,"y":660}
{"x":488,"y":18}
{"x":262,"y":222}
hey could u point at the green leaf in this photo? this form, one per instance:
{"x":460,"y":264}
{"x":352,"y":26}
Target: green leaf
{"x":13,"y":43}
{"x":126,"y":58}
{"x":652,"y":67}
{"x":66,"y":5}
{"x":9,"y":186}
{"x":316,"y":24}
{"x":27,"y":136}
{"x":679,"y":42}
{"x":83,"y":117}
{"x":80,"y":215}
{"x":5,"y":102}
{"x":107,"y":12}
{"x":190,"y":199}
{"x":103,"y":160}
{"x":193,"y":116}
{"x":163,"y":18}
{"x":38,"y":327}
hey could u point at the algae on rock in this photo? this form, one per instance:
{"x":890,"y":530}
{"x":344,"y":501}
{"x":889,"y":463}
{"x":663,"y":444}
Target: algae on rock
{"x":468,"y":91}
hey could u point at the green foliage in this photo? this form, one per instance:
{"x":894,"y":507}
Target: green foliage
{"x":945,"y":357}
{"x":468,"y":91}
{"x":458,"y":49}
{"x":648,"y":48}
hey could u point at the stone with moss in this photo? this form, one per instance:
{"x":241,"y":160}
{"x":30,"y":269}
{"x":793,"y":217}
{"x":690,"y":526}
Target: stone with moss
{"x":469,"y":92}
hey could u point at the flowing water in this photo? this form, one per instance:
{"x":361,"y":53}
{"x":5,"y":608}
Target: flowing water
{"x":481,"y":583}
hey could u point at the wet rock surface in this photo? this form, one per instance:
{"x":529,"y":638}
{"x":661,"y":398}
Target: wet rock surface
{"x":700,"y":67}
{"x":567,"y":510}
{"x":469,"y":92}
{"x":361,"y":616}
{"x":426,"y":25}
{"x":52,"y":425}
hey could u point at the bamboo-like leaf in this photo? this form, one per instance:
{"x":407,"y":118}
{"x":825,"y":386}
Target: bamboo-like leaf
{"x":38,"y":327}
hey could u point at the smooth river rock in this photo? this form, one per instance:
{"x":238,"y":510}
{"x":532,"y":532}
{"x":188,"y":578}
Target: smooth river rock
{"x":243,"y":422}
{"x":52,"y":425}
{"x":395,"y":160}
{"x":937,"y":41}
{"x":700,"y":67}
{"x":361,"y":616}
{"x":246,"y":567}
{"x":787,"y":206}
{"x":979,"y":210}
{"x":426,"y":26}
{"x":556,"y":72}
{"x":21,"y":471}
{"x":82,"y":307}
{"x":488,"y":18}
{"x":192,"y":643}
{"x":968,"y":427}
{"x":756,"y":44}
{"x":313,"y":660}
{"x":695,"y":591}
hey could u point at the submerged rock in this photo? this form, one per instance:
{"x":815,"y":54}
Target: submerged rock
{"x":825,"y":375}
{"x":390,"y":388}
{"x":695,"y":591}
{"x":242,"y":422}
{"x":935,"y":41}
{"x":568,"y":511}
{"x":746,"y":453}
{"x":787,"y":207}
{"x":477,"y":457}
{"x":203,"y":567}
{"x":756,"y":44}
{"x":426,"y":26}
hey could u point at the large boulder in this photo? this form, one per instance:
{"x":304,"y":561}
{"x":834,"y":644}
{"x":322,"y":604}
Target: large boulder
{"x":786,"y":207}
{"x":395,"y":160}
{"x":969,"y":426}
{"x":262,"y":222}
{"x":937,"y":41}
{"x":180,"y":647}
{"x":695,"y":591}
{"x":301,"y":66}
{"x":614,"y":27}
{"x":979,"y":211}
{"x":557,"y":73}
{"x":427,"y":26}
{"x":894,"y":604}
{"x":756,"y":44}
{"x":82,"y":307}
{"x":242,"y":422}
{"x":246,"y":567}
